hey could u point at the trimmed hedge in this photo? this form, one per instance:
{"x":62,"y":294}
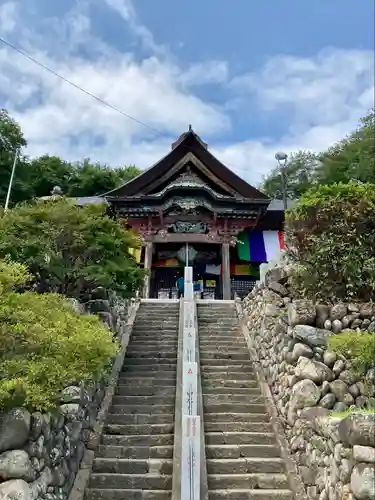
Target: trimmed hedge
{"x":46,"y":346}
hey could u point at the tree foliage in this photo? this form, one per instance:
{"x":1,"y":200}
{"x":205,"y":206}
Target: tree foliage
{"x":45,"y":345}
{"x":351,"y":159}
{"x":331,"y":240}
{"x":37,"y":177}
{"x":70,"y":250}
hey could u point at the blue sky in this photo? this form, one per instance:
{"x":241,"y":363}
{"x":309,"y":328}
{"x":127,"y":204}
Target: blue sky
{"x":251,"y":77}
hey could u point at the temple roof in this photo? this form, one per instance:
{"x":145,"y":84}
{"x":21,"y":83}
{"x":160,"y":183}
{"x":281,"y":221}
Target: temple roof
{"x":188,"y":145}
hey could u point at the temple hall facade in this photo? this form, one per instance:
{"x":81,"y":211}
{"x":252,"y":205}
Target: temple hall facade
{"x":189,"y":207}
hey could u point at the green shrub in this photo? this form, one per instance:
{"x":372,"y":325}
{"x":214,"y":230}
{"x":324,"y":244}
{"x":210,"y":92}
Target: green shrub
{"x":46,"y":346}
{"x":330,"y":235}
{"x":358,"y":347}
{"x":12,"y":275}
{"x":70,"y":250}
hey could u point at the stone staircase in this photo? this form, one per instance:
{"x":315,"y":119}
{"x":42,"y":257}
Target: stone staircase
{"x":135,"y":458}
{"x":243,"y":458}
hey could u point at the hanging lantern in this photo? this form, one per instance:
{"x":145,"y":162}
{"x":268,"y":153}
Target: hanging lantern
{"x":191,"y":254}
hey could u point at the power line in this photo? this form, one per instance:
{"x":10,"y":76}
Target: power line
{"x":105,"y":103}
{"x":93,"y":96}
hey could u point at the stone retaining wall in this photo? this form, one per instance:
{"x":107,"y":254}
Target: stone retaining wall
{"x":335,"y":453}
{"x":40,"y":454}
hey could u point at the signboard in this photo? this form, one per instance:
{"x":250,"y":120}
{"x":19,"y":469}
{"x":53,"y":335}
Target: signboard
{"x":189,"y":388}
{"x":190,"y":458}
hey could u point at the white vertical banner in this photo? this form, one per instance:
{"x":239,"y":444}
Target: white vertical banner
{"x":190,"y":459}
{"x":189,"y":388}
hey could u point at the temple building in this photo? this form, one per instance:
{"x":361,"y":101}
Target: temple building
{"x":189,"y":207}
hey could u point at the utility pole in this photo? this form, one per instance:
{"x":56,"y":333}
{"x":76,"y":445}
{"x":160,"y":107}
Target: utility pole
{"x":11,"y":181}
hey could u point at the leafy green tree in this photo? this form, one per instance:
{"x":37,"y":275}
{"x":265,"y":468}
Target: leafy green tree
{"x":37,"y":177}
{"x":90,"y":179}
{"x":352,"y":158}
{"x":11,"y":140}
{"x":300,"y":174}
{"x":46,"y":172}
{"x":70,"y":250}
{"x":330,"y":234}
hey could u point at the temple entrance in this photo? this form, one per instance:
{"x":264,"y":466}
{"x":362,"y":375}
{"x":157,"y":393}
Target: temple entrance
{"x":168,"y":263}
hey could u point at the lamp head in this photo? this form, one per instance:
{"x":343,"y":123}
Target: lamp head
{"x":281,"y":158}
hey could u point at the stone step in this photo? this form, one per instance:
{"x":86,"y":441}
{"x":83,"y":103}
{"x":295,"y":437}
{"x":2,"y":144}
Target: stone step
{"x":155,"y":331}
{"x":140,"y":429}
{"x":244,"y":466}
{"x":152,"y":379}
{"x":243,"y":362}
{"x":242,"y":450}
{"x":145,"y":391}
{"x":143,"y":382}
{"x":153,"y":344}
{"x":224,"y":339}
{"x":216,"y":389}
{"x":231,"y":398}
{"x":246,"y":494}
{"x":237,"y":371}
{"x":158,"y":353}
{"x":122,"y":494}
{"x":139,"y":419}
{"x":143,"y":400}
{"x":137,"y":452}
{"x":239,"y":438}
{"x":138,"y":440}
{"x":149,"y":368}
{"x":133,"y":466}
{"x":156,"y":319}
{"x":131,"y":481}
{"x":237,"y":426}
{"x":236,"y":417}
{"x":223,"y":351}
{"x":153,"y":357}
{"x":233,"y":408}
{"x":142,"y":410}
{"x":231,"y":342}
{"x":149,"y":361}
{"x":249,"y":481}
{"x":209,"y":382}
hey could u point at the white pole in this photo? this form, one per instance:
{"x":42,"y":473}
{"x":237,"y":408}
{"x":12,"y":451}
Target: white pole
{"x":11,"y":182}
{"x":187,"y":255}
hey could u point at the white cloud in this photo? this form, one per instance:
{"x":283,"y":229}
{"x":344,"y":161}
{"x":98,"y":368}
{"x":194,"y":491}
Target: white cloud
{"x":319,"y":99}
{"x":8,"y":13}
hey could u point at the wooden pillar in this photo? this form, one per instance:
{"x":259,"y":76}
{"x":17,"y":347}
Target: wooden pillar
{"x":226,"y":271}
{"x":147,"y":266}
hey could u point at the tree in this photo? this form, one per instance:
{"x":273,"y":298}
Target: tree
{"x":90,"y":179}
{"x":351,"y":159}
{"x":37,"y":177}
{"x":11,"y":140}
{"x":70,"y":250}
{"x":330,"y":235}
{"x":300,"y":174}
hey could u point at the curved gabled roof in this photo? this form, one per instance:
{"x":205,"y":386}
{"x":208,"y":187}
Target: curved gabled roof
{"x":188,"y":142}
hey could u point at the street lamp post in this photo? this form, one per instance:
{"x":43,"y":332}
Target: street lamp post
{"x":282,"y":159}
